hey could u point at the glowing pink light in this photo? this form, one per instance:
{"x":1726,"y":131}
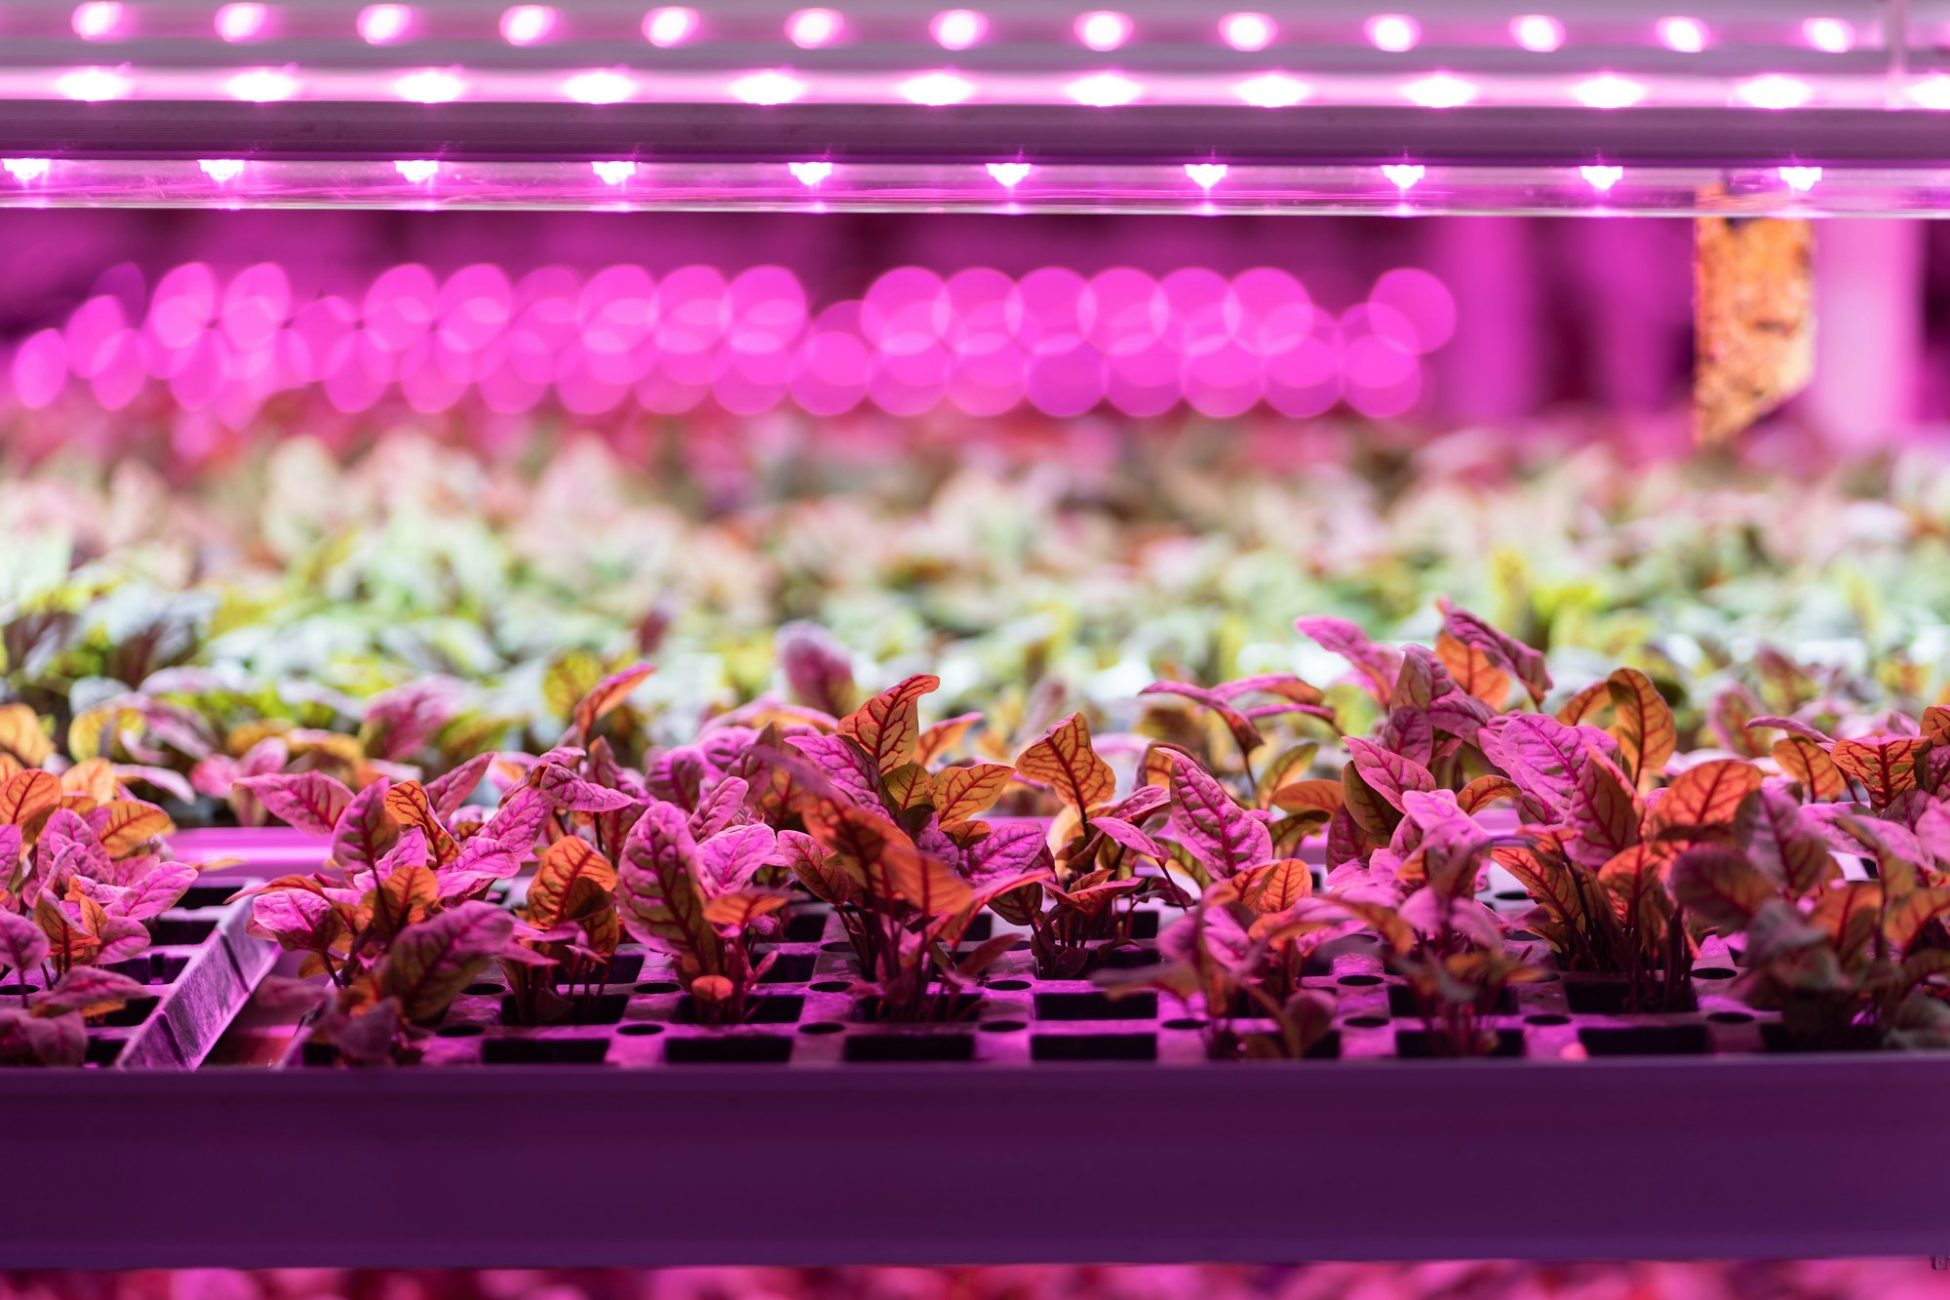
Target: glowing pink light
{"x":958,"y":29}
{"x":1829,"y":35}
{"x":936,"y":89}
{"x":1602,"y":177}
{"x":262,"y":86}
{"x":1104,"y":90}
{"x":1775,"y":91}
{"x":1932,"y":92}
{"x":92,"y":85}
{"x":385,"y":24}
{"x":811,"y":29}
{"x":97,"y":20}
{"x":238,"y":23}
{"x":1685,"y":35}
{"x":1205,"y":175}
{"x":1009,"y":174}
{"x":767,"y":88}
{"x":527,"y":24}
{"x":1103,"y":30}
{"x":1608,"y":90}
{"x":26,"y":170}
{"x":1439,"y":90}
{"x":613,"y":173}
{"x":1247,"y":32}
{"x":670,"y":26}
{"x":1395,"y":33}
{"x":1272,"y":90}
{"x":1405,"y":176}
{"x":601,"y":87}
{"x":1801,"y":179}
{"x":418,"y":171}
{"x":222,"y":170}
{"x":432,"y":86}
{"x":1538,"y":33}
{"x":810,"y":174}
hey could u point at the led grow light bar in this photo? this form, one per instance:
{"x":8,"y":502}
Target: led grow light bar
{"x":1504,"y":107}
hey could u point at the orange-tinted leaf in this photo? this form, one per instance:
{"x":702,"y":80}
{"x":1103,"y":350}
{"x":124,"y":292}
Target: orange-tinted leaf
{"x":1780,"y":843}
{"x":607,"y":696}
{"x":734,"y":912}
{"x":404,"y":898}
{"x":1805,"y":761}
{"x":964,"y":793}
{"x":94,"y":778}
{"x":1486,"y":790}
{"x":1906,"y":916}
{"x":1586,"y":704}
{"x":1848,"y":913}
{"x":892,"y":868}
{"x":571,"y":880}
{"x":430,"y":963}
{"x":1936,"y":724}
{"x":1719,"y":886}
{"x":1708,"y":795}
{"x":1279,"y":885}
{"x":1604,"y":812}
{"x":22,"y":737}
{"x":1065,"y":761}
{"x":1317,"y":794}
{"x":888,"y":726}
{"x":943,"y":736}
{"x":1473,"y":670}
{"x":1505,"y":651}
{"x":410,"y":807}
{"x":909,"y":786}
{"x":1886,"y":767}
{"x":28,"y":796}
{"x":1641,"y":724}
{"x":127,"y":824}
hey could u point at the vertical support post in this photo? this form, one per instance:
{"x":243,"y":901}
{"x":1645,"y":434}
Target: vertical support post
{"x":1869,"y":336}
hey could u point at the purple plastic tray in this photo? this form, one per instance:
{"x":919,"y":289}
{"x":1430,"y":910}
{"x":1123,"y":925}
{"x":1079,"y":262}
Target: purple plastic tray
{"x":906,"y":1164}
{"x":203,"y":967}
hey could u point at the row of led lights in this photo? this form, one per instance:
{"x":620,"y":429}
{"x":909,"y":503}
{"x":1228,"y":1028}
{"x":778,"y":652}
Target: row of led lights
{"x":1103,"y":30}
{"x":941,"y":88}
{"x":1603,"y":177}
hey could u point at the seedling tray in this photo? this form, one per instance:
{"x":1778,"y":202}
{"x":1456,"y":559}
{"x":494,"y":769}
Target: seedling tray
{"x":202,"y":968}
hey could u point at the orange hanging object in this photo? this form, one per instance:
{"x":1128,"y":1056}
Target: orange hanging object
{"x":1754,"y":320}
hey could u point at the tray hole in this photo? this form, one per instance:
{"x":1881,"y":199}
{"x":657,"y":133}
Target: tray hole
{"x":314,"y":1053}
{"x":1366,"y":1022}
{"x":14,"y":990}
{"x":1144,"y":924}
{"x":1358,"y":981}
{"x":1003,"y":1026}
{"x":822,"y":1027}
{"x":1608,"y":997}
{"x":606,"y":1009}
{"x":1646,"y":1040}
{"x":1547,"y":1020}
{"x":1096,"y":1006}
{"x":735,"y":1049}
{"x":1402,"y":1002}
{"x":980,"y":930}
{"x":198,"y":897}
{"x":463,"y":1030}
{"x":1131,"y":956}
{"x":830,"y":986}
{"x":623,"y":968}
{"x":180,"y":932}
{"x":102,"y":1052}
{"x":640,"y":1029}
{"x":909,"y":1047}
{"x":962,"y":1007}
{"x":1419,"y":1044}
{"x":1511,"y":896}
{"x":658,"y":986}
{"x":805,"y":927}
{"x":1775,"y":1037}
{"x":544,"y":1051}
{"x":1008,"y":986}
{"x":134,"y":1013}
{"x":837,"y":945}
{"x":772,"y":1009}
{"x":1093,"y":1047}
{"x":1185,"y":1023}
{"x":485,"y":989}
{"x":1730,"y":1017}
{"x":790,"y":968}
{"x":1714,"y":973}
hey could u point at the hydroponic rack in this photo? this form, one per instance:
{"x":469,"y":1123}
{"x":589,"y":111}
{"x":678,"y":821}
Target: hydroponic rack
{"x":1618,"y":106}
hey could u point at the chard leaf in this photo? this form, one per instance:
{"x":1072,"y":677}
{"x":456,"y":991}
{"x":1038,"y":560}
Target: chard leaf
{"x":887,"y":728}
{"x":363,"y":831}
{"x":571,"y":880}
{"x":1706,"y":796}
{"x":431,"y":962}
{"x":1065,"y":761}
{"x":310,"y":801}
{"x":1205,"y":819}
{"x":1642,"y":725}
